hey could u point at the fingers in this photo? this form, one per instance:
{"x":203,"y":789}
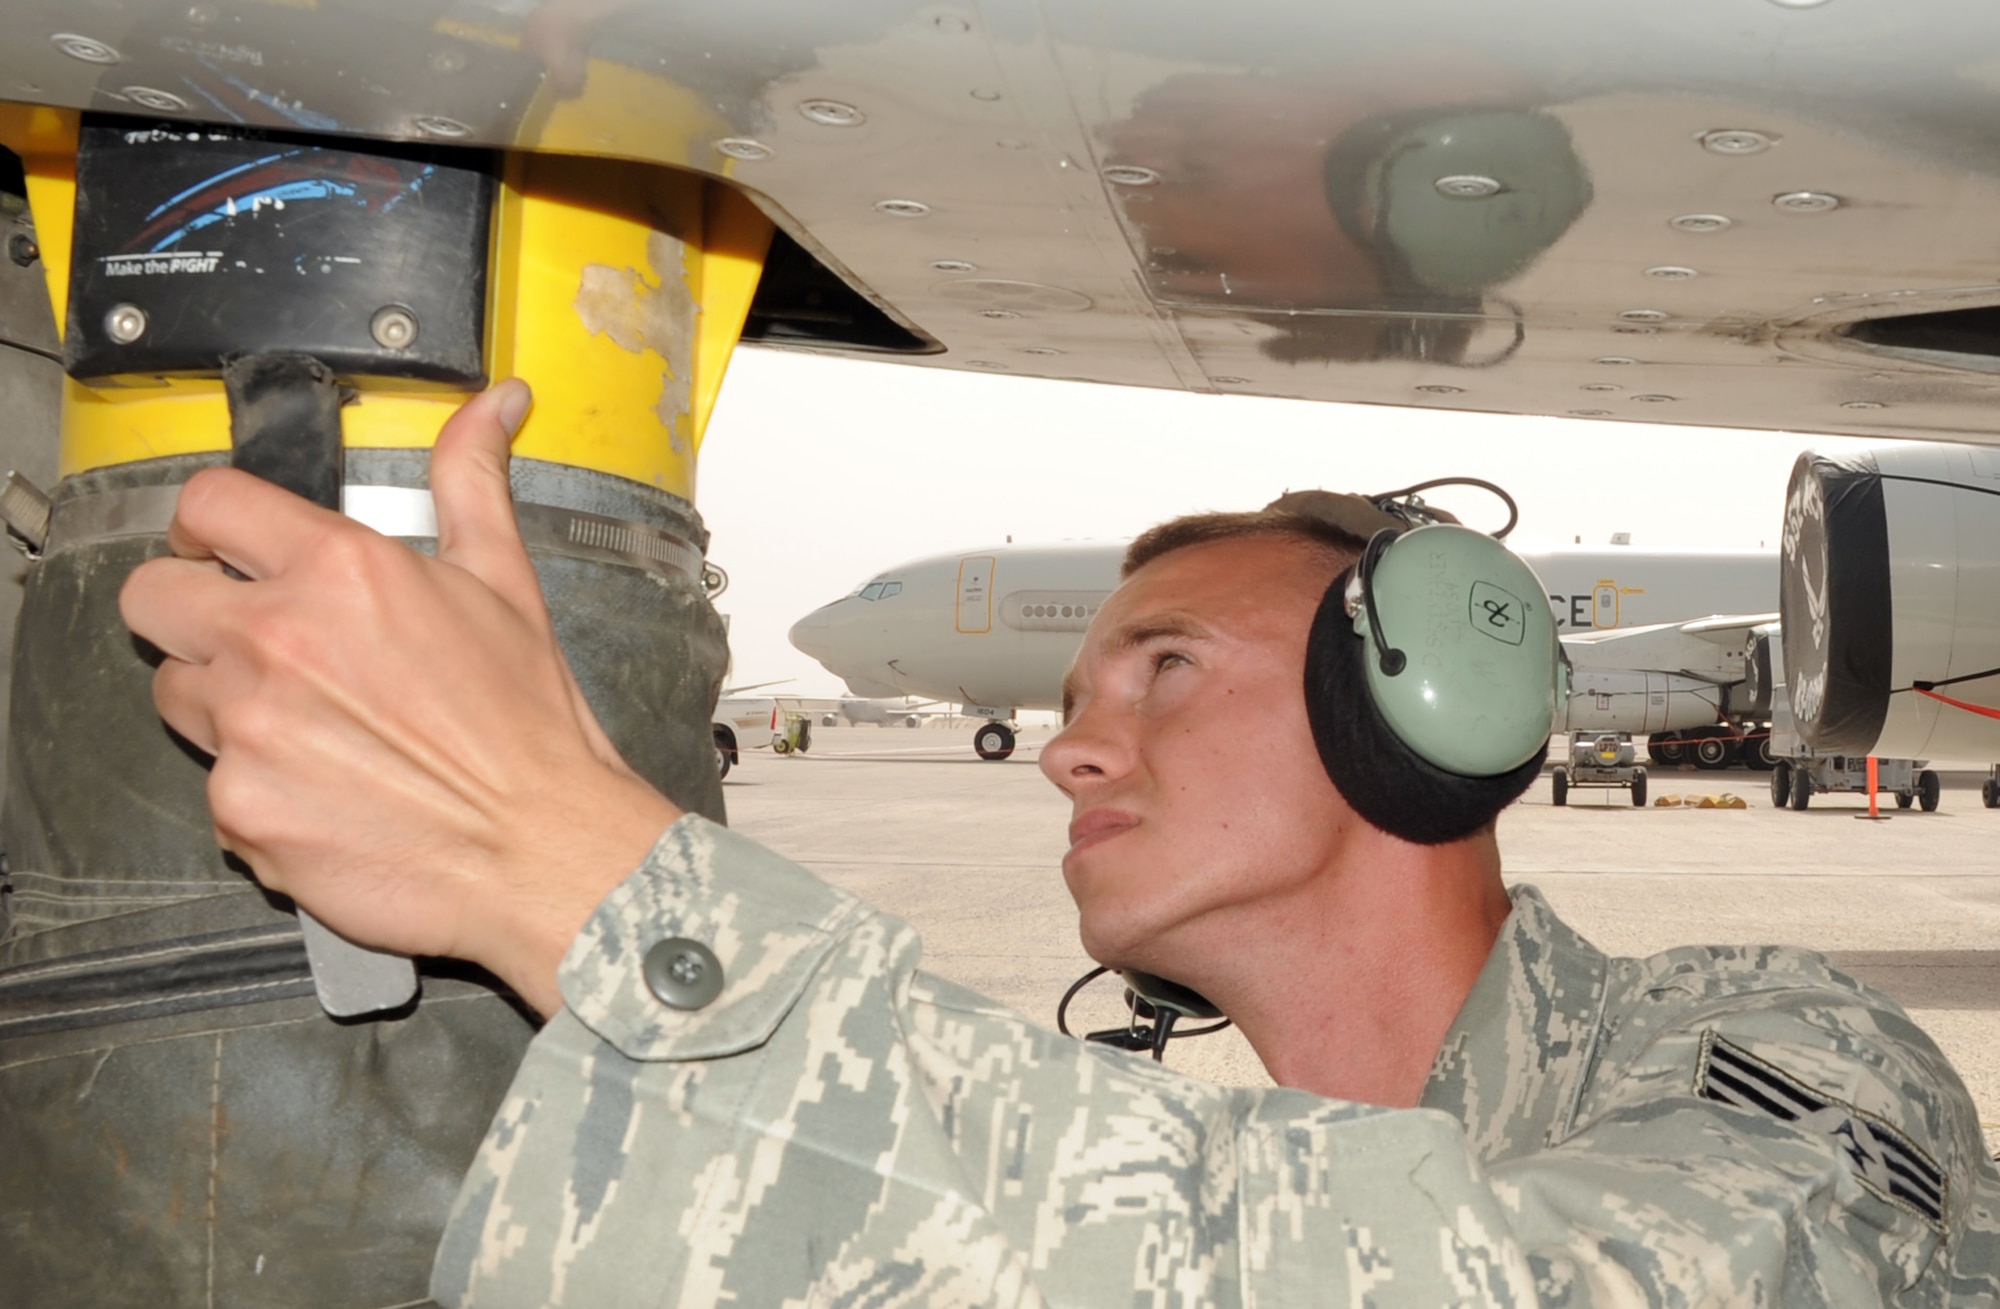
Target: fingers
{"x":178,"y":605}
{"x":178,"y":694}
{"x":475,"y":507}
{"x":257,"y":528}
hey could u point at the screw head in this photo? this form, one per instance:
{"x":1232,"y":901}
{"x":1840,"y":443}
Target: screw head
{"x":1598,"y":386}
{"x":1591,"y":413}
{"x":902,"y":208}
{"x":1645,"y":315}
{"x":984,"y":95}
{"x":1653,"y":399}
{"x":998,"y":313}
{"x":1438,"y":388}
{"x":393,"y":327}
{"x":1861,"y":404}
{"x":1039,"y":350}
{"x":954,"y":266}
{"x":1735,"y":141}
{"x":125,"y":324}
{"x":161,"y":102}
{"x":1467,"y":186}
{"x":1130,"y":175}
{"x":742,"y":147}
{"x":1633,"y":329}
{"x":985,"y":363}
{"x":1672,"y":273}
{"x":832,"y":113}
{"x":438,"y":125}
{"x":21,"y":248}
{"x":1700,"y":223}
{"x":1230,"y":381}
{"x":88,"y":49}
{"x":1805,"y":202}
{"x":1616,"y":361}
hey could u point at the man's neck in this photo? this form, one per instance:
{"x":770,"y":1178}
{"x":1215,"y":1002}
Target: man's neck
{"x":1349,"y":988}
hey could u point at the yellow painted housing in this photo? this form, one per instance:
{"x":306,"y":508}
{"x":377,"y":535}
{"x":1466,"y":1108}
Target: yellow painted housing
{"x":617,"y":290}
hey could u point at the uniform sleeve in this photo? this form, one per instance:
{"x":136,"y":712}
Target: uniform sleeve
{"x":1798,"y":1143}
{"x":837,"y":1128}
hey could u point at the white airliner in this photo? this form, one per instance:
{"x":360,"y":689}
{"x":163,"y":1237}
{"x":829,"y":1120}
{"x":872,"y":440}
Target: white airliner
{"x":995,"y":629}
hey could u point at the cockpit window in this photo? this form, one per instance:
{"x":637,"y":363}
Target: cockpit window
{"x":891,"y":588}
{"x":880,"y":590}
{"x":872,"y":591}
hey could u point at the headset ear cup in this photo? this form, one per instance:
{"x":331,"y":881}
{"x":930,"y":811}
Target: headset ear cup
{"x":1380,"y":777}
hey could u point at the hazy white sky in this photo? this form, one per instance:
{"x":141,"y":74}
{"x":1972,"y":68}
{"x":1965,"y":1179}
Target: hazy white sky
{"x":817,"y":473}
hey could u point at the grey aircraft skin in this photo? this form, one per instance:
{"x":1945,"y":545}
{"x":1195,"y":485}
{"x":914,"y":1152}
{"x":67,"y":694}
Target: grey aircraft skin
{"x":1736,"y":212}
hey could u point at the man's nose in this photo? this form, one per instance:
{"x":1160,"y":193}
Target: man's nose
{"x":1085,"y":751}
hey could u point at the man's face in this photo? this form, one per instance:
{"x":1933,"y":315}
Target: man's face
{"x":1200,"y":803}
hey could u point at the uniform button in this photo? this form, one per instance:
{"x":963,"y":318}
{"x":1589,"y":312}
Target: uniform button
{"x":683,"y":974}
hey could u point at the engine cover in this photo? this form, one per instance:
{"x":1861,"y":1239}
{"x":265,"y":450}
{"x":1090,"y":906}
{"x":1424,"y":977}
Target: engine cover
{"x":1616,"y":700}
{"x":1890,"y":579}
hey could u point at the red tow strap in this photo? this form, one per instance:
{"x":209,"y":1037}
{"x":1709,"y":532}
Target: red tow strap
{"x":1981,"y":710}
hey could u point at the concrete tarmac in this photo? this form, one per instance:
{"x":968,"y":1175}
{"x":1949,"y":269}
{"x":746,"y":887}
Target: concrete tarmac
{"x":970,"y":853}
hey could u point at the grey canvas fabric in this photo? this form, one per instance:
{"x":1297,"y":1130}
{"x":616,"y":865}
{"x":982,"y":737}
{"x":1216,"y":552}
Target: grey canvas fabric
{"x":1707,"y":1126}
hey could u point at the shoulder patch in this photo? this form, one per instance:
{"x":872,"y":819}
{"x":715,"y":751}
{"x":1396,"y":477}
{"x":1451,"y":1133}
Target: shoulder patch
{"x":1885,"y":1161}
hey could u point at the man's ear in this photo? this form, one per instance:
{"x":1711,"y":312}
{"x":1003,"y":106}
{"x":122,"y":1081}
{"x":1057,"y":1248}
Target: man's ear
{"x":1380,"y":776}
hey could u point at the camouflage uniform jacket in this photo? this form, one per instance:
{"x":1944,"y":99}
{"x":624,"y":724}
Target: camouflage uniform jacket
{"x":1707,"y":1126}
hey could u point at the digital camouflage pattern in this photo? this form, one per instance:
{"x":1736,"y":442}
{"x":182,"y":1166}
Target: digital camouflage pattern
{"x":1707,"y":1126}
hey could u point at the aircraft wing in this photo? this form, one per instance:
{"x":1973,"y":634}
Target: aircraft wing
{"x":1710,"y":649}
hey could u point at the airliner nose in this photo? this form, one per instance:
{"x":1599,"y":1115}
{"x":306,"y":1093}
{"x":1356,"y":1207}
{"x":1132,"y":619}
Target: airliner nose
{"x":810,"y":633}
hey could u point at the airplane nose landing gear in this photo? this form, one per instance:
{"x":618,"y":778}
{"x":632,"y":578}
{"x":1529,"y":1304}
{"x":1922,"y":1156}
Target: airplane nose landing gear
{"x":994,"y":741}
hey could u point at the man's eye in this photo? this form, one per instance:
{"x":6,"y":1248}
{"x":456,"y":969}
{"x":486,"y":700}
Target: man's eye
{"x":1166,"y":659}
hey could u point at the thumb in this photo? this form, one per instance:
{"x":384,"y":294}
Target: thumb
{"x":475,"y":506}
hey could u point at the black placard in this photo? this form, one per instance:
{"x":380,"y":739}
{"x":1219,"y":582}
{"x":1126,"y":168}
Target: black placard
{"x":231,"y":241}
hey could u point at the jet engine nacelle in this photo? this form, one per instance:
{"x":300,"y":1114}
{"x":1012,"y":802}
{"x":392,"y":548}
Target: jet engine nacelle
{"x":1622,"y":701}
{"x":1890,"y":579}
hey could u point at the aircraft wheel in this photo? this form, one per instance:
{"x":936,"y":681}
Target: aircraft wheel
{"x":1929,"y":790}
{"x":1559,"y":787}
{"x":828,"y":720}
{"x":994,"y":741}
{"x":781,"y":746}
{"x":1802,"y":789}
{"x":1757,"y":754}
{"x":1989,"y":793}
{"x":1781,"y":785}
{"x":1905,"y":799}
{"x":1712,"y":753}
{"x":1665,"y":748}
{"x":1639,"y":789}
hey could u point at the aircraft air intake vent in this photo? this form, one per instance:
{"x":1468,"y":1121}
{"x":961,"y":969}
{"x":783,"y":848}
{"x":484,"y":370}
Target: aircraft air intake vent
{"x":1955,"y":338}
{"x":800,"y":301}
{"x":1050,"y":611}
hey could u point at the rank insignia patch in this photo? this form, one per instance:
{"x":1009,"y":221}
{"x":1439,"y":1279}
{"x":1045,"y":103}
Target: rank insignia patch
{"x":1884,"y":1160}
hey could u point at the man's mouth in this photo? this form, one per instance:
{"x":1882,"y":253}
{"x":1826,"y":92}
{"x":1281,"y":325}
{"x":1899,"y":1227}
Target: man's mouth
{"x":1096,"y":825}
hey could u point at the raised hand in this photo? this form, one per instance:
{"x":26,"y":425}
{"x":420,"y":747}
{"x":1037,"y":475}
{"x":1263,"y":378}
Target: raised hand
{"x":399,"y":744}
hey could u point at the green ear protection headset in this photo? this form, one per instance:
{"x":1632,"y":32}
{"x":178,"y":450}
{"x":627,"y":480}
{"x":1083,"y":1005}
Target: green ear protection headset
{"x":1433,"y":670}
